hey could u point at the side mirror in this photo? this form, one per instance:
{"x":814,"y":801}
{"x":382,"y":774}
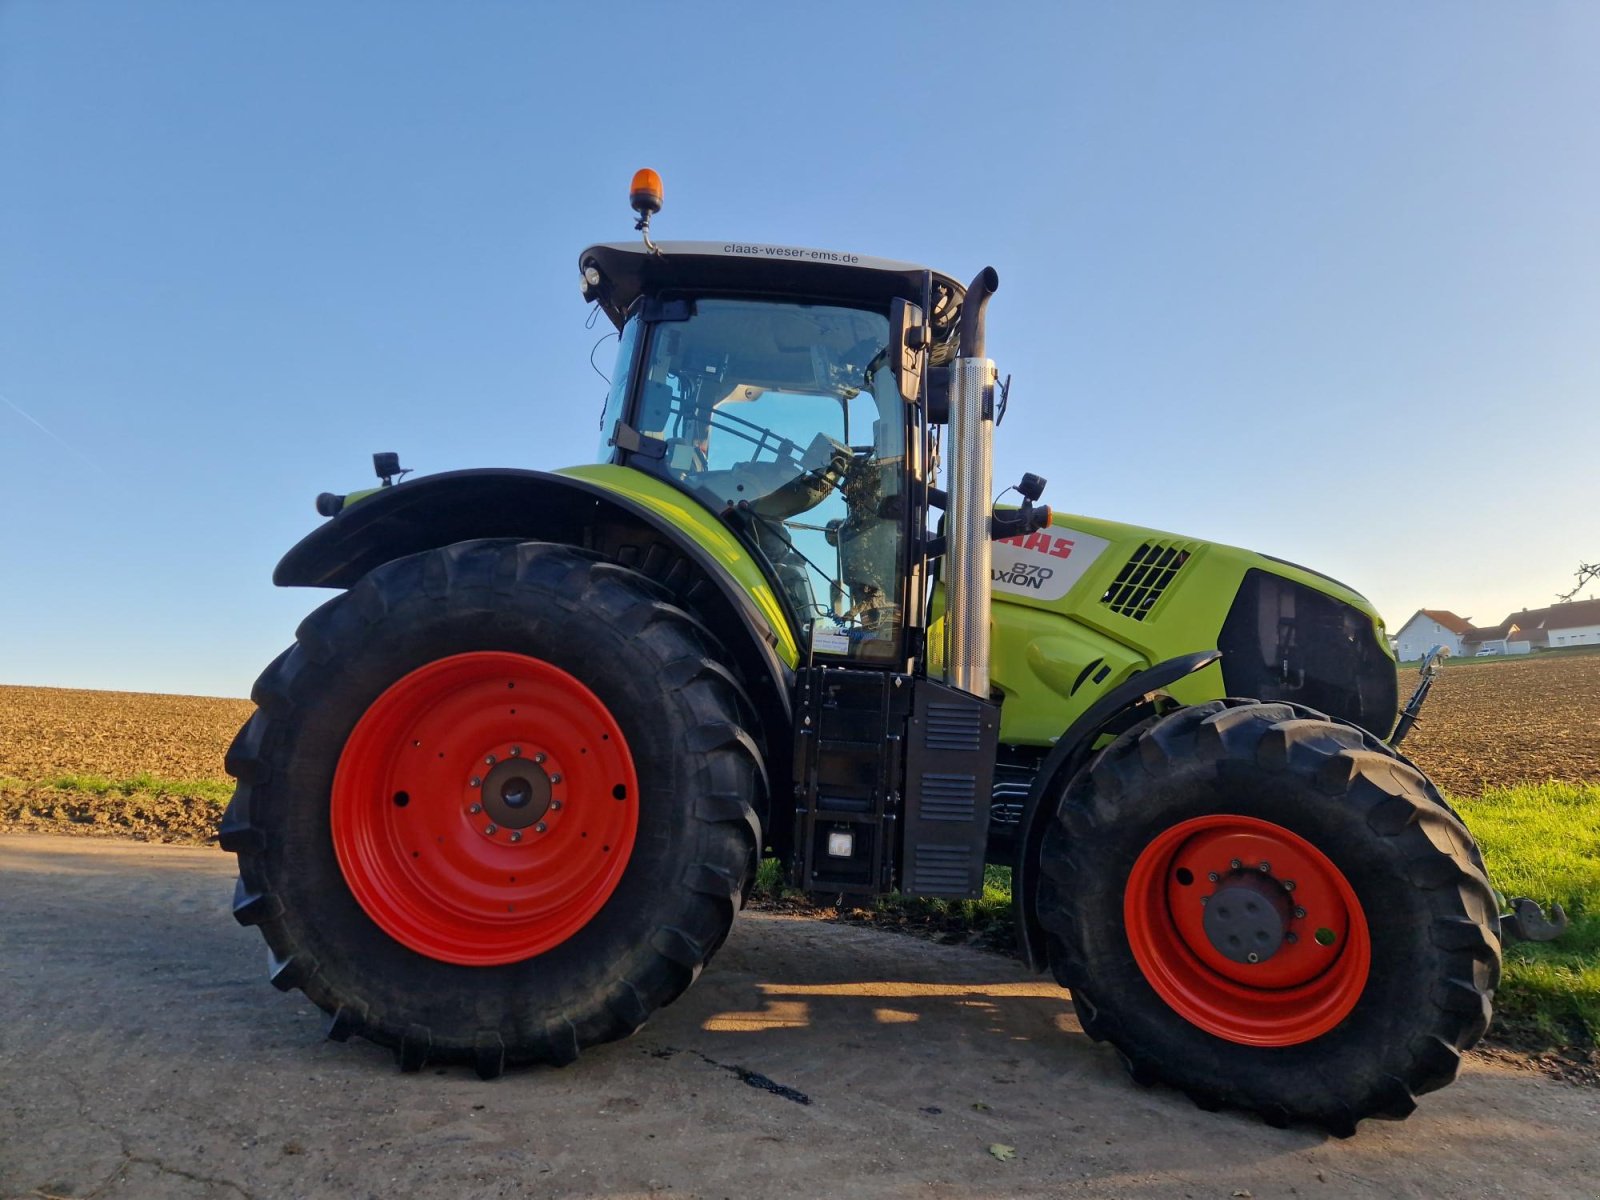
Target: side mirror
{"x":908,"y":340}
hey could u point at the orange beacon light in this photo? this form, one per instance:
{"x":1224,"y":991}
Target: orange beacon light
{"x":645,"y":194}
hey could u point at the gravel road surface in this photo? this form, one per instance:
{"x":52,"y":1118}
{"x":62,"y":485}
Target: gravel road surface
{"x":143,"y":1054}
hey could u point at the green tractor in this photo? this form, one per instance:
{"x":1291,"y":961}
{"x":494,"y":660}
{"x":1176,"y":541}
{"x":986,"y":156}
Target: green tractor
{"x":502,"y":797}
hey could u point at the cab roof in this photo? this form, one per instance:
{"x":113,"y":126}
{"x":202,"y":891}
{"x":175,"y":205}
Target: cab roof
{"x":629,"y":270}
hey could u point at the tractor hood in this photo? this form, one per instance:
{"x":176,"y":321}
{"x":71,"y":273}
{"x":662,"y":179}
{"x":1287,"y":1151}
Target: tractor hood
{"x":1084,"y":604}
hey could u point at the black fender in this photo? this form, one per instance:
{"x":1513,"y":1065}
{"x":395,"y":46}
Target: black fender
{"x":505,"y":502}
{"x":1120,"y":708}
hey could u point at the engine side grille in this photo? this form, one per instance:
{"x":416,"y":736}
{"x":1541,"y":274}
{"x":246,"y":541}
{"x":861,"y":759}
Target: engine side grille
{"x":953,"y":727}
{"x":948,"y":797}
{"x":1144,"y":578}
{"x":945,"y":869}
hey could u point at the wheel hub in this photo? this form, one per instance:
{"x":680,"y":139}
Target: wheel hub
{"x":1247,"y":918}
{"x":516,"y":793}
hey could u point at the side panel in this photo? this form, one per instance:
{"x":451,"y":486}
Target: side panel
{"x":891,"y":783}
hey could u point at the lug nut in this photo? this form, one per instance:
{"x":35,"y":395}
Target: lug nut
{"x":488,"y":760}
{"x":516,"y":752}
{"x":556,"y":804}
{"x":1236,"y":864}
{"x":476,"y":808}
{"x":539,"y":757}
{"x":555,"y":779}
{"x":1288,"y":885}
{"x":516,"y":835}
{"x":1252,"y":957}
{"x":1205,"y":900}
{"x":1291,"y":937}
{"x":1214,"y":877}
{"x":1265,"y":868}
{"x":491,"y":830}
{"x":476,"y":782}
{"x":1298,"y":911}
{"x":540,"y":827}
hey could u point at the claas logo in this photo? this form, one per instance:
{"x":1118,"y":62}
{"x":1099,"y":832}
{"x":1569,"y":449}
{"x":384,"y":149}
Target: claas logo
{"x":1042,"y":543}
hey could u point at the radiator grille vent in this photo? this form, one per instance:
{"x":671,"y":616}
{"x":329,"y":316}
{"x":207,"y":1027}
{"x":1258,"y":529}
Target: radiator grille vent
{"x":1144,"y":578}
{"x":941,"y":868}
{"x":953,"y":726}
{"x":948,"y":797}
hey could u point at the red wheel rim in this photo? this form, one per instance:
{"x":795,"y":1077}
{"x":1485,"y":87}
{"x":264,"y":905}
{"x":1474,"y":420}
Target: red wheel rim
{"x":484,"y":808}
{"x":1305,"y":986}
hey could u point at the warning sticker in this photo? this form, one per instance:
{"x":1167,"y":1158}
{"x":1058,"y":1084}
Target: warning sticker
{"x":827,"y":640}
{"x":1046,"y":563}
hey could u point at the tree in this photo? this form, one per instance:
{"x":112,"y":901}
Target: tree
{"x":1586,"y":573}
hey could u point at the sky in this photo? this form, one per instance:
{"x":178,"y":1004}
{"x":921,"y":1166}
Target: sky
{"x":1320,"y":280}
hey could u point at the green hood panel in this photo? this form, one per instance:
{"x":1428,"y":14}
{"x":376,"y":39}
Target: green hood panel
{"x":1084,"y":604}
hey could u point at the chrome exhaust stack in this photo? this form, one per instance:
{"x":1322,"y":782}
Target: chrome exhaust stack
{"x":970,"y":554}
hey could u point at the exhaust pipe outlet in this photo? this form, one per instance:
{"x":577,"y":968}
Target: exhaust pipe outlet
{"x":969,"y":559}
{"x":973,"y":311}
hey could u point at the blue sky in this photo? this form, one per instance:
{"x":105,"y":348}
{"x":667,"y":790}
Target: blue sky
{"x":1322,"y":280}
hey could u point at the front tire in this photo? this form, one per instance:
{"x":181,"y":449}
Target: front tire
{"x":1271,"y":911}
{"x":498,"y":803}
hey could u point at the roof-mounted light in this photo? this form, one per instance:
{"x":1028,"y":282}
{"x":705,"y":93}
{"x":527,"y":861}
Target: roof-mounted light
{"x":645,"y":196}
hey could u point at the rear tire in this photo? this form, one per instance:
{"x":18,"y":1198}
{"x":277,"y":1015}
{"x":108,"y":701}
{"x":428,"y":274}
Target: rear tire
{"x":1325,"y":1034}
{"x":375,"y":874}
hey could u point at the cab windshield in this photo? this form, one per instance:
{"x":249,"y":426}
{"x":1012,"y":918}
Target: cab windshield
{"x":787,"y":418}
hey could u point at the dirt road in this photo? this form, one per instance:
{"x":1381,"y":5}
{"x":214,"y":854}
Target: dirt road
{"x":143,"y":1054}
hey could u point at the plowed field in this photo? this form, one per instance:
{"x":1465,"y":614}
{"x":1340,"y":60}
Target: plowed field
{"x":1501,"y":722}
{"x":1487,"y":724}
{"x":48,"y":732}
{"x":125,"y":764}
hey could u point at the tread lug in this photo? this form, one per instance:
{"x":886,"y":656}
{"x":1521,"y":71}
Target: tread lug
{"x":252,"y":907}
{"x":489,"y":1055}
{"x":415,"y":1045}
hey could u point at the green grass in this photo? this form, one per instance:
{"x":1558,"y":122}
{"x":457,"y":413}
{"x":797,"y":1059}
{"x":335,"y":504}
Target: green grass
{"x":1543,"y":841}
{"x":142,"y":784}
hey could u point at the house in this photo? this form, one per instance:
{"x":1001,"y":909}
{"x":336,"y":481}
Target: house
{"x":1574,"y":623}
{"x":1505,"y":638}
{"x":1427,"y":628}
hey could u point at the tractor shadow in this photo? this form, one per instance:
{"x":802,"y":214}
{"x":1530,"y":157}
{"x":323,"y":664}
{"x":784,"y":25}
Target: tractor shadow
{"x":848,"y":1004}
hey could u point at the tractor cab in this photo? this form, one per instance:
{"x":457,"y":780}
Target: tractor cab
{"x":781,"y":389}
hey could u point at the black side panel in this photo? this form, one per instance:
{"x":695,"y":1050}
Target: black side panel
{"x":849,"y":753}
{"x":1285,"y":641}
{"x":949,"y":777}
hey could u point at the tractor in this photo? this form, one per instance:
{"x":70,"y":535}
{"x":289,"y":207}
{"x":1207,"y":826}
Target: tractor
{"x":501,"y":799}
